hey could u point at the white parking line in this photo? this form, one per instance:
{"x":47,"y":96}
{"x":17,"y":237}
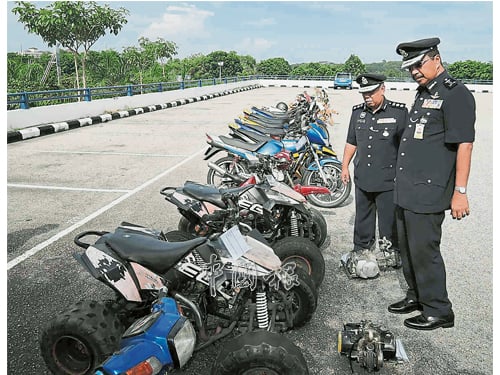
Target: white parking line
{"x":14,"y":262}
{"x":114,"y":153}
{"x":67,"y":188}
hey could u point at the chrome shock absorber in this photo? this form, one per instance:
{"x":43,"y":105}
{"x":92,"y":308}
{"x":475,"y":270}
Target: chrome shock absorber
{"x":294,"y":225}
{"x":262,"y":313}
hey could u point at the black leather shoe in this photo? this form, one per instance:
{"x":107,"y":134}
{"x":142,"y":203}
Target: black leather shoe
{"x":405,"y":306}
{"x":431,"y":322}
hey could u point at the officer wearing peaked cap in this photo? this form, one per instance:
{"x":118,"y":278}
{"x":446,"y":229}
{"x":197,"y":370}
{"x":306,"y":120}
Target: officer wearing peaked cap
{"x":373,"y":138}
{"x":431,"y":176}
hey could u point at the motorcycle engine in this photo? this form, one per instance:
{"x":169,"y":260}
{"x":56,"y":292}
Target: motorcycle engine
{"x":367,"y":343}
{"x":361,"y":264}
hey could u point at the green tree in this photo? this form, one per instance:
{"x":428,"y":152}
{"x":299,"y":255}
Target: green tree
{"x":471,"y":70}
{"x":72,"y":24}
{"x":354,"y":65}
{"x":160,"y":50}
{"x":274,"y":66}
{"x":248,"y":65}
{"x":105,"y":68}
{"x":230,"y":60}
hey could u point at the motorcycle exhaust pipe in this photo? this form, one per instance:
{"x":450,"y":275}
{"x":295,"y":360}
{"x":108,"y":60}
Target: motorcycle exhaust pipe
{"x":224,"y":173}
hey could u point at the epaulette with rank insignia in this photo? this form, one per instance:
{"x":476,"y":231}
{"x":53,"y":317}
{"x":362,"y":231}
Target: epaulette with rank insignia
{"x":396,"y":104}
{"x":358,"y":106}
{"x":449,"y":83}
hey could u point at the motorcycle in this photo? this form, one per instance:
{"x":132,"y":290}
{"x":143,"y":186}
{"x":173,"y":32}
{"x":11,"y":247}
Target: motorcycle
{"x":225,"y":284}
{"x":277,"y":211}
{"x":165,"y":340}
{"x":313,"y":164}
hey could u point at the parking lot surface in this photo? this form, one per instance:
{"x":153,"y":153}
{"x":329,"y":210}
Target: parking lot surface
{"x":93,"y":178}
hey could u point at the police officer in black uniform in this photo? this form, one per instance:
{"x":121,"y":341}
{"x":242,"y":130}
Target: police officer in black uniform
{"x":431,"y":176}
{"x":373,"y":137}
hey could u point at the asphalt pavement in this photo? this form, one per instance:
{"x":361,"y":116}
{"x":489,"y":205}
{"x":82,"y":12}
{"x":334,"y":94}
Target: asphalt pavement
{"x":92,"y":178}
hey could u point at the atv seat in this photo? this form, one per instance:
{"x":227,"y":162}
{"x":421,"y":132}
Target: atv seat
{"x":155,"y":254}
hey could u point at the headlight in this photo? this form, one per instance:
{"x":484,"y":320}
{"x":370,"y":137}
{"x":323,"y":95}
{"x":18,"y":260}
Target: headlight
{"x":141,"y":325}
{"x":181,"y":341}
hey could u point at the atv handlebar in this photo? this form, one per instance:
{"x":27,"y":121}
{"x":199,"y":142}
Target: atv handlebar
{"x":165,"y":189}
{"x":87,"y":233}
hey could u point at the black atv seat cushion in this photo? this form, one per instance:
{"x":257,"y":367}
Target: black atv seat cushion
{"x":157,"y":255}
{"x":205,"y":193}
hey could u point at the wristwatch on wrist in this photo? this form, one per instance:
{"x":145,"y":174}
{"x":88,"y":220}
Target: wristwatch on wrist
{"x":461,"y":189}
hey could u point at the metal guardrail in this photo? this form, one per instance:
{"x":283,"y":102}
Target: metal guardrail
{"x":25,"y":100}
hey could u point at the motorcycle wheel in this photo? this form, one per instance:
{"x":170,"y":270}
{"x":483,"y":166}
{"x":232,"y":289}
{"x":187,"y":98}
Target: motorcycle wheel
{"x":185,"y":226}
{"x":80,"y":338}
{"x":338,"y":190}
{"x":320,"y":228}
{"x":227,"y":163}
{"x":300,"y":301}
{"x":305,"y":254}
{"x":260,"y":352}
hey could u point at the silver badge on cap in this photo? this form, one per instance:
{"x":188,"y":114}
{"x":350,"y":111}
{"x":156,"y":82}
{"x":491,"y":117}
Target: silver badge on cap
{"x":403,"y":52}
{"x":364,"y":81}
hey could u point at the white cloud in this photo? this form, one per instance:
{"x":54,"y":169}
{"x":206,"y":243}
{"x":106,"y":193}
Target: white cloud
{"x":256,"y":44}
{"x":262,"y":22}
{"x":180,"y":22}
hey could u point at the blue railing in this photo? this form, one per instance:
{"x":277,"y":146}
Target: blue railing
{"x":25,"y":100}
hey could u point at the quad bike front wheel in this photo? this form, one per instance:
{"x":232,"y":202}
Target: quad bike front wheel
{"x":298,"y":303}
{"x":305,"y":254}
{"x":319,"y":227}
{"x":80,"y":338}
{"x":260,"y":352}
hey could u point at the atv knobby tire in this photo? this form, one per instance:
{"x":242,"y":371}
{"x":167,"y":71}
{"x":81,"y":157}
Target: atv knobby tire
{"x":304,"y":253}
{"x":260,"y":352}
{"x":320,"y":228}
{"x":80,"y":338}
{"x":186,"y":226}
{"x":299,"y":303}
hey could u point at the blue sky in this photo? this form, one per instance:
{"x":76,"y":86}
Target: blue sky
{"x":305,"y":31}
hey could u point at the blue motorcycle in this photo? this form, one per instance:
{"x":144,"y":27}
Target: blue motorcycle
{"x":312,"y":162}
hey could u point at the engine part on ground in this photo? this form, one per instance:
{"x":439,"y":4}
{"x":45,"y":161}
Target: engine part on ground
{"x":387,"y":256}
{"x":369,"y":345}
{"x":361,"y":264}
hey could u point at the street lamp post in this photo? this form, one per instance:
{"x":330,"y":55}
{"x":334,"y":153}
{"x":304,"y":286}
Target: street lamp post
{"x":220,"y":63}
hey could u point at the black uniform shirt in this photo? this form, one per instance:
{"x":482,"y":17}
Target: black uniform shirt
{"x":442,"y":116}
{"x":376,"y":136}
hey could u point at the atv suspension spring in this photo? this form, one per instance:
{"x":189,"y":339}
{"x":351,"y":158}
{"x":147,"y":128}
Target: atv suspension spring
{"x":262,"y":313}
{"x":294,"y":225}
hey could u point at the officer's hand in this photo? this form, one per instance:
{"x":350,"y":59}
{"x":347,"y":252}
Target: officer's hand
{"x":459,"y":206}
{"x":345,"y":176}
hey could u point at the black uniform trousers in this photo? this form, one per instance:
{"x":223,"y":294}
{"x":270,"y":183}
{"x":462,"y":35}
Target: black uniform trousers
{"x":423,"y":266}
{"x":368,"y":205}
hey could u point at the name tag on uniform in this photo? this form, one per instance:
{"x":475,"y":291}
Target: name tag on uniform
{"x":389,"y":120}
{"x":432,"y":103}
{"x":419,"y":131}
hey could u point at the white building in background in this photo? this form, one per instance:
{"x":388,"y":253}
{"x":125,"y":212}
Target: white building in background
{"x":35,"y":52}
